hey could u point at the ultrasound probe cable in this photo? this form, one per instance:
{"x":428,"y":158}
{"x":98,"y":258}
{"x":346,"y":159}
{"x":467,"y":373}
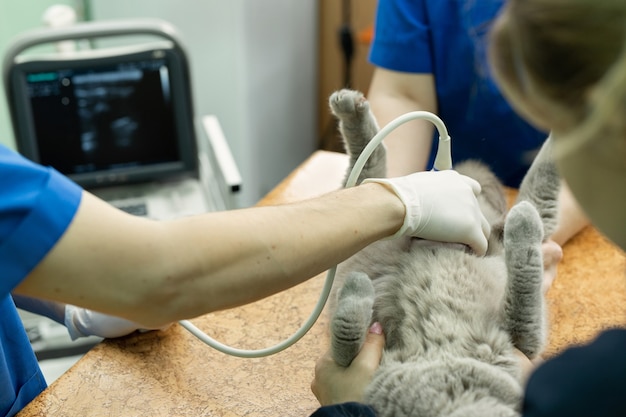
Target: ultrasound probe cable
{"x":443,"y":160}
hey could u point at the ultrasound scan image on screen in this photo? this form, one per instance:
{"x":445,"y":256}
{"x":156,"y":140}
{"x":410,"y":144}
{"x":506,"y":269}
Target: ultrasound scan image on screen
{"x":107,"y":118}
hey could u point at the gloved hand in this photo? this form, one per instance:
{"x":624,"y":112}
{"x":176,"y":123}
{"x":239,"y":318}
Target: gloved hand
{"x":441,"y":206}
{"x":81,"y":322}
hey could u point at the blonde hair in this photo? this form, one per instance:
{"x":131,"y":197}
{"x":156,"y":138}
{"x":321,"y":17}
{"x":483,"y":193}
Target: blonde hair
{"x":572,"y":53}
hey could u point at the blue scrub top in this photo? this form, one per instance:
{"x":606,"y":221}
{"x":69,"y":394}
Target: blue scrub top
{"x":447,"y":38}
{"x":37,"y":205}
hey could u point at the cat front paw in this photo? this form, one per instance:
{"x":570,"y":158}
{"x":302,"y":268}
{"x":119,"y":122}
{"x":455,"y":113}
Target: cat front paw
{"x":523,"y":224}
{"x":358,"y":126}
{"x":345,"y":102}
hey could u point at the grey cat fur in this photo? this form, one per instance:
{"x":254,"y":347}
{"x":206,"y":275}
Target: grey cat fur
{"x":451,"y":318}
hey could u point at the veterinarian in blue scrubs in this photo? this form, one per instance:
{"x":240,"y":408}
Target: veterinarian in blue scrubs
{"x":61,"y":247}
{"x":431,"y":55}
{"x":562,"y":65}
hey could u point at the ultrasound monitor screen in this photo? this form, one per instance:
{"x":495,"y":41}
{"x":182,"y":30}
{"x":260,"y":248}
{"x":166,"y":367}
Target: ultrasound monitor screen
{"x":113,"y":117}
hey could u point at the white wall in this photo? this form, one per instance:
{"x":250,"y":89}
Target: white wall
{"x":17,"y":17}
{"x":254,"y":66}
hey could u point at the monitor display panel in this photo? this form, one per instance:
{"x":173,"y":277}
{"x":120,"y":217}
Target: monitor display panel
{"x":107,"y":120}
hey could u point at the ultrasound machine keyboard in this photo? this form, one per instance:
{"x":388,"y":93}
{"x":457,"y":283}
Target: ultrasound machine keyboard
{"x":135,"y":209}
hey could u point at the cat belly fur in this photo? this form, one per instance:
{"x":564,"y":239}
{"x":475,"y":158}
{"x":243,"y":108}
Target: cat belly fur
{"x":446,"y":345}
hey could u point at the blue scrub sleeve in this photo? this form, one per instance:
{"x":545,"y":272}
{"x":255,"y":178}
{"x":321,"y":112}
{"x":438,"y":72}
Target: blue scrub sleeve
{"x":37,"y":205}
{"x":402,"y":38}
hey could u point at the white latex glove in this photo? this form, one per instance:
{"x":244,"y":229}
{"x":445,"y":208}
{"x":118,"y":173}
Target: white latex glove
{"x":441,"y":206}
{"x":81,"y":322}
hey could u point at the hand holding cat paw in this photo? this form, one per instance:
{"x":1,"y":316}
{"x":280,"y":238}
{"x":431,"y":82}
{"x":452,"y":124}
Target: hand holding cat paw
{"x":441,"y":206}
{"x":552,"y":255}
{"x":526,"y":366}
{"x":335,"y":384}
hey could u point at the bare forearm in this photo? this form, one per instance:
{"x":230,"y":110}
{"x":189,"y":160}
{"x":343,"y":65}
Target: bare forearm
{"x":269,"y":249}
{"x":393,"y":94}
{"x":408,"y":146}
{"x":155,"y":273}
{"x":571,"y":217}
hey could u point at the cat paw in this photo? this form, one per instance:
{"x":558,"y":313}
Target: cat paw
{"x":358,"y":285}
{"x":358,"y":126}
{"x":352,"y":318}
{"x":348,"y":102}
{"x":523,"y":224}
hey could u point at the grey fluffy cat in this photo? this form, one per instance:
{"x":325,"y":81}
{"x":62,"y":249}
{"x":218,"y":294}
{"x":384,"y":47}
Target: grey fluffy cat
{"x":451,"y":318}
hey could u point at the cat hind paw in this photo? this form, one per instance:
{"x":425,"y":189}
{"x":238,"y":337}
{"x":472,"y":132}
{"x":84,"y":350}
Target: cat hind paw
{"x":523,"y":222}
{"x":352,"y":318}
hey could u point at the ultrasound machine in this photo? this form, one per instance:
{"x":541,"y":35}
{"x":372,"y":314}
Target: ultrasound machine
{"x":119,"y":121}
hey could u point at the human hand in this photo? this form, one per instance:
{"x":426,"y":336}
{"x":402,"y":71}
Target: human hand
{"x":81,"y":322}
{"x":552,"y":255}
{"x":335,"y":384}
{"x":527,"y":365}
{"x":442,"y":206}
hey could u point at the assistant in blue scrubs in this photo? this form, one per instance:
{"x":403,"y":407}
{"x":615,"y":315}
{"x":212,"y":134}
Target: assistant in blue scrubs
{"x":447,"y":38}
